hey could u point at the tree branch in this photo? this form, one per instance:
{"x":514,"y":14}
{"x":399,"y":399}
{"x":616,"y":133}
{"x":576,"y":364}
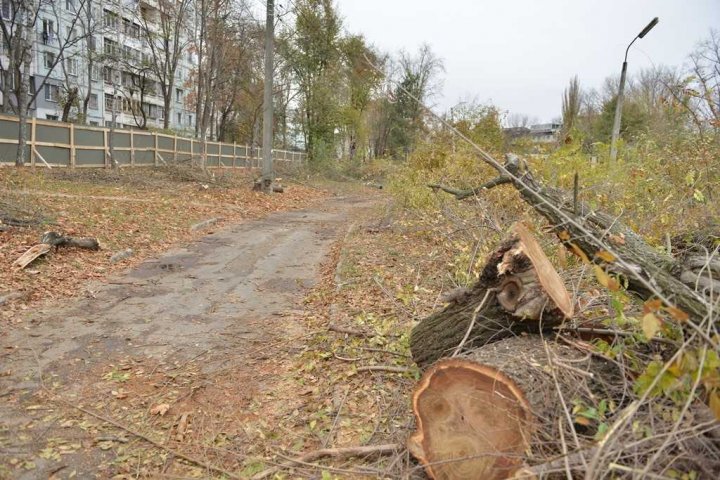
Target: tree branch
{"x":463,"y":194}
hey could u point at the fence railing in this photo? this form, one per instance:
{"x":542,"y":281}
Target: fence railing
{"x":57,"y":144}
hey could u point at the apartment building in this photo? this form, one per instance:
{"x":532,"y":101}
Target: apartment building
{"x":106,"y":52}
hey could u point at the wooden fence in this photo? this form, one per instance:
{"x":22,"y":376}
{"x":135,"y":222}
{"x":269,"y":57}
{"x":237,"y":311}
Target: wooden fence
{"x":57,"y":144}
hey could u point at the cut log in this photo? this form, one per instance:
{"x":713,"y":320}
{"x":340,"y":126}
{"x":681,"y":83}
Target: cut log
{"x":485,"y":414}
{"x":58,"y":240}
{"x":30,"y":255}
{"x":521,"y":290}
{"x":641,"y":264}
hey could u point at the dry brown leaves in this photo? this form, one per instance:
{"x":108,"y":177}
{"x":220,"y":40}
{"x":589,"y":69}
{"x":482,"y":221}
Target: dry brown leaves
{"x":144,"y":210}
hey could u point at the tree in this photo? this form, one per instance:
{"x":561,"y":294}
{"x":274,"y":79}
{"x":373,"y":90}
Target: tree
{"x":361,"y":79}
{"x":313,"y":53}
{"x":571,"y":101}
{"x":418,"y":81}
{"x":166,"y":32}
{"x":18,"y":34}
{"x":705,"y":82}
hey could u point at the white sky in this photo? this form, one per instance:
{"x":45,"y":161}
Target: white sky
{"x":520,"y":54}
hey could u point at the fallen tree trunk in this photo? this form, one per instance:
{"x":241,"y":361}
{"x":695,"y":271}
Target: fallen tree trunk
{"x":58,"y":240}
{"x":581,"y":229}
{"x":518,"y":291}
{"x":479,"y":415}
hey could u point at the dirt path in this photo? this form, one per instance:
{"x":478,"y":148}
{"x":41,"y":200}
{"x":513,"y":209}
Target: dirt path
{"x":216,"y":299}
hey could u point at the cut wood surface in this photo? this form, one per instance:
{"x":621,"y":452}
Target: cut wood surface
{"x":517,"y":301}
{"x":472,"y":422}
{"x":477,"y":415}
{"x":593,"y":232}
{"x":30,"y":255}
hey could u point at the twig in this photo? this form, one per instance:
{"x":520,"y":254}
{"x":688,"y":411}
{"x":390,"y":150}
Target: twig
{"x":337,"y":417}
{"x":207,"y":466}
{"x":124,"y":428}
{"x":383,"y":368}
{"x":330,"y":452}
{"x":472,"y":322}
{"x":380,"y":350}
{"x":391,"y":297}
{"x":346,"y":359}
{"x":349,"y":331}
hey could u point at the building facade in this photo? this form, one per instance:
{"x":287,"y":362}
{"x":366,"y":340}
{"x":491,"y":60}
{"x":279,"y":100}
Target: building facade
{"x":101,"y":48}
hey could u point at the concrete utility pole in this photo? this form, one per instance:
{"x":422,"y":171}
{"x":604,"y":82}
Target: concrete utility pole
{"x":267,"y":166}
{"x":621,"y":91}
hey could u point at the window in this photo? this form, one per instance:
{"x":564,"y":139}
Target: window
{"x":70,"y":5}
{"x":109,"y":102}
{"x":131,"y":29}
{"x":94,"y":124}
{"x":93,"y":102}
{"x":71,"y":36}
{"x":110,"y":47}
{"x":49,"y":59}
{"x":92,"y":43}
{"x":52,"y":117}
{"x":107,"y":74}
{"x":189,"y":120}
{"x":6,"y":9}
{"x":48,"y":31}
{"x":71,"y":64}
{"x":178,"y":96}
{"x":111,"y":19}
{"x":52,"y":93}
{"x":95,"y":73}
{"x":179,"y":118}
{"x":161,"y":113}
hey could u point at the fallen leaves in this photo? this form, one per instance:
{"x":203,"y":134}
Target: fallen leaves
{"x":160,"y":409}
{"x":142,"y":211}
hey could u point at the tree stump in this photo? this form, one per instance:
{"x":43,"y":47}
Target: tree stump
{"x":489,"y":412}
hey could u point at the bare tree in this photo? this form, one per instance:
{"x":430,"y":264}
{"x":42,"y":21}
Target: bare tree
{"x":167,"y":34}
{"x":517,"y":120}
{"x":571,"y":102}
{"x":705,"y":86}
{"x":18,"y":32}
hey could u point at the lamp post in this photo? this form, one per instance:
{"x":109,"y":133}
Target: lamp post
{"x":621,"y":90}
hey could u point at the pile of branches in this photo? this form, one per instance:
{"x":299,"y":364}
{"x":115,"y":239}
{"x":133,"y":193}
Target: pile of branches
{"x":515,"y":386}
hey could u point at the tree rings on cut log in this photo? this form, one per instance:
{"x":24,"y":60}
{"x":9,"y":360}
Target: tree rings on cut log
{"x":473,"y":422}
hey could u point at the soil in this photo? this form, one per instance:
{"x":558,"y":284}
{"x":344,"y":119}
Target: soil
{"x":220,"y":307}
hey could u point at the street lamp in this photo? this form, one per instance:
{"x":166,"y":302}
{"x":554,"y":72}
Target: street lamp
{"x":618,"y":106}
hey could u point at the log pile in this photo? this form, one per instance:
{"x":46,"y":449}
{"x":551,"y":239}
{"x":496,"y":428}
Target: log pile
{"x":499,"y":392}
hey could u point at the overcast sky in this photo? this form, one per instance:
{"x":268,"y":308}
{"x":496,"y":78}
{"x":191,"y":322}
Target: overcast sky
{"x":520,"y":54}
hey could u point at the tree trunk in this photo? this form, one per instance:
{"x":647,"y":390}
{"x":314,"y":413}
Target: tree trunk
{"x":72,"y":96}
{"x":23,"y":108}
{"x":634,"y":259}
{"x":485,"y":414}
{"x":513,"y":295}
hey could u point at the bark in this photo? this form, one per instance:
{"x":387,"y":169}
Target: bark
{"x":642,"y":265}
{"x":507,"y":300}
{"x":72,"y":96}
{"x":58,"y":240}
{"x":23,"y":108}
{"x":485,"y":414}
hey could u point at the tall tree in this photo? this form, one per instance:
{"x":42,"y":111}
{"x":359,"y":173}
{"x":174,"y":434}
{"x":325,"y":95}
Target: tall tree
{"x":314,"y":55}
{"x":19,"y":35}
{"x":571,"y":102}
{"x":166,"y":31}
{"x":418,"y":82}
